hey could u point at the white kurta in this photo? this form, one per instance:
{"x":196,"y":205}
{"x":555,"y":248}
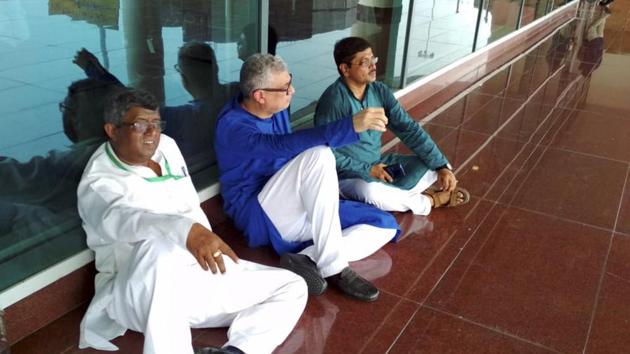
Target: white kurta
{"x":137,"y":225}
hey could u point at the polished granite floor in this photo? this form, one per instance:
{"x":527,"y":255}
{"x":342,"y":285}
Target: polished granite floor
{"x":537,"y":262}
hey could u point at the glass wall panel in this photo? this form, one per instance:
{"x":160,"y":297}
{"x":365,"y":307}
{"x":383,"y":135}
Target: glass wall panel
{"x":59,"y":60}
{"x":441,"y":32}
{"x":307,"y":31}
{"x":532,"y":10}
{"x":52,"y":123}
{"x":498,"y":18}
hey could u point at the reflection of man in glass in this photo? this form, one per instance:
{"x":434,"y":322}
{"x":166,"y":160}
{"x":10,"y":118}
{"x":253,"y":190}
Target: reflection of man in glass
{"x":362,"y":169}
{"x":192,"y":124}
{"x":281,"y":187}
{"x":154,"y":246}
{"x":562,"y":44}
{"x":592,"y":49}
{"x":40,"y":194}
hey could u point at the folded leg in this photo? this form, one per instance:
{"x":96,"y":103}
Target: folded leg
{"x":163,"y":292}
{"x":389,"y":197}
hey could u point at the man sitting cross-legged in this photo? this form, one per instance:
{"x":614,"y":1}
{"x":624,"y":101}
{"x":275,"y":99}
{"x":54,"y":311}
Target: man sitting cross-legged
{"x":361,"y":167}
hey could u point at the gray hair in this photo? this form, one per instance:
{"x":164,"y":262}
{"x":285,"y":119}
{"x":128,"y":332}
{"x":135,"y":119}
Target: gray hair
{"x":121,"y":102}
{"x":257,"y":70}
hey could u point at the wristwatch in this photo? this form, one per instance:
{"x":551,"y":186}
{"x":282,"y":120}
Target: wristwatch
{"x":443,"y":167}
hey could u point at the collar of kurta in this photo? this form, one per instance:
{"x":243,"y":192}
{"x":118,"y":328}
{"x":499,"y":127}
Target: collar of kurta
{"x":364,"y":101}
{"x":121,"y":165}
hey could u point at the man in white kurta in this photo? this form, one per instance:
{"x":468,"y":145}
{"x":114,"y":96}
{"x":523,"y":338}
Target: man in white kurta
{"x":153,"y":247}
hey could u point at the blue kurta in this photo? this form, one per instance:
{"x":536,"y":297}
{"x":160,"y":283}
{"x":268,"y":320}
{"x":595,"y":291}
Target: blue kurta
{"x":250,"y":150}
{"x":356,"y":160}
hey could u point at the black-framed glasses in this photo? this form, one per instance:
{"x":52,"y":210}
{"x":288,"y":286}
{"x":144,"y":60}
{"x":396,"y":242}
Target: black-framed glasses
{"x":366,"y":63}
{"x":285,"y":90}
{"x":142,"y":126}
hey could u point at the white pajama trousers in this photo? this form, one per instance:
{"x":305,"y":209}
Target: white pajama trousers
{"x":302,"y":201}
{"x":388,"y":197}
{"x":163,"y":292}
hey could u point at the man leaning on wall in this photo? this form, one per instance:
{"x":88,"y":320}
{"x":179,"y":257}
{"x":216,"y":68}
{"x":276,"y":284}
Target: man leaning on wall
{"x":281,"y":187}
{"x":154,"y":246}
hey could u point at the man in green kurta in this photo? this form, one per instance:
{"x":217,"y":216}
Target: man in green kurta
{"x":361,"y":167}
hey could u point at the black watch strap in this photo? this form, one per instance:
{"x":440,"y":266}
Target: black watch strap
{"x":442,"y":167}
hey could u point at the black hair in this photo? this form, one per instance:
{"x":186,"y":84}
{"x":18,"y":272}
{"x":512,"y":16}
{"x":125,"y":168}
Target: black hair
{"x":346,"y":48}
{"x":83,"y":108}
{"x":121,"y":102}
{"x":198,"y":61}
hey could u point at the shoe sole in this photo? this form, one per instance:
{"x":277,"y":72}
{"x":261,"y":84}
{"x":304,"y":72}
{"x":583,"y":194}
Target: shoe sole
{"x":315,"y":283}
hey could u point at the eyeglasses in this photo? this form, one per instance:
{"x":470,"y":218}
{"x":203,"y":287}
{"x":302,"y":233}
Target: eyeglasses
{"x":63,"y":107}
{"x":142,"y":126}
{"x":366,"y":63}
{"x":285,"y":90}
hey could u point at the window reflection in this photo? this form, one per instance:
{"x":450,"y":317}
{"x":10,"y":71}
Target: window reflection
{"x":43,"y":150}
{"x":533,"y":10}
{"x":191,"y":124}
{"x":498,"y":18}
{"x":137,"y":43}
{"x":38,"y":197}
{"x":441,"y":33}
{"x":307,"y":31}
{"x":592,"y":49}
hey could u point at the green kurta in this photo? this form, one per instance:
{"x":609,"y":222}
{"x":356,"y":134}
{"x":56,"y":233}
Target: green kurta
{"x":356,"y":160}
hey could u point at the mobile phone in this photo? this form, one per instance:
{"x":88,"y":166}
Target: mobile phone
{"x":395,"y":170}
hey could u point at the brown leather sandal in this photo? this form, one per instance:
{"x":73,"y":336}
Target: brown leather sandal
{"x":439,"y":201}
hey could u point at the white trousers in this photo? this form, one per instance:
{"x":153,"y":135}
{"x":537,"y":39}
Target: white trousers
{"x":302,"y":201}
{"x":388,"y":197}
{"x":163,"y":292}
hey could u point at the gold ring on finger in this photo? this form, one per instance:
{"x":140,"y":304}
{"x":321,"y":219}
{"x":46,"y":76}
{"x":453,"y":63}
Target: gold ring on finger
{"x":217,"y":254}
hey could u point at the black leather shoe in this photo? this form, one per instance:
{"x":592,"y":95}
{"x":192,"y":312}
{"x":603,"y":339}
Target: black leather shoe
{"x":303,"y":266}
{"x":208,"y":350}
{"x":214,"y":350}
{"x":353,"y":285}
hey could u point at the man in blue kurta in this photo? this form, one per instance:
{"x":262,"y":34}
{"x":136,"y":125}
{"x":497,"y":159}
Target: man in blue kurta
{"x":361,"y":167}
{"x":280,"y":187}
